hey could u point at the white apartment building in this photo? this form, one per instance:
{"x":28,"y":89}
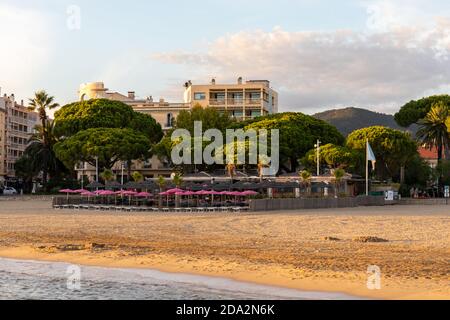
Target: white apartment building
{"x":17,"y":124}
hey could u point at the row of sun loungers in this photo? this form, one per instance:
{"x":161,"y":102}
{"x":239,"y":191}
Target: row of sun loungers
{"x":150,"y":209}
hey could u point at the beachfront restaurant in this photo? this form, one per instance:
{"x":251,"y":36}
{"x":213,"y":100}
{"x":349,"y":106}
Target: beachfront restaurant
{"x":201,"y":192}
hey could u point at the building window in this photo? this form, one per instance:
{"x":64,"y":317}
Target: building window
{"x":170,"y":120}
{"x":254,"y":96}
{"x":199,"y":96}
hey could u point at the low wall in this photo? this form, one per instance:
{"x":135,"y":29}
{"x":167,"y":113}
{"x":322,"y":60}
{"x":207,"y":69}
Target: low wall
{"x":424,"y":202}
{"x":314,"y":203}
{"x":26,"y":198}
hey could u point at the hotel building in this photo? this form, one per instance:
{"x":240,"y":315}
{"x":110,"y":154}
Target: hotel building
{"x":242,"y":100}
{"x":17,"y":125}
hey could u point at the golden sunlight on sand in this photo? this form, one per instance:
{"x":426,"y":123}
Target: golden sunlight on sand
{"x":322,"y":250}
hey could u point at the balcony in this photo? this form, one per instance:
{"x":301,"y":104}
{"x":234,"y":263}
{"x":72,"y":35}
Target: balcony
{"x":253,"y":101}
{"x":217,"y":102}
{"x":234,"y":102}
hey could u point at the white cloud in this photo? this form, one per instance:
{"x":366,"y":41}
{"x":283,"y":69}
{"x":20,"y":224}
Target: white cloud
{"x":25,"y":46}
{"x":391,"y":62}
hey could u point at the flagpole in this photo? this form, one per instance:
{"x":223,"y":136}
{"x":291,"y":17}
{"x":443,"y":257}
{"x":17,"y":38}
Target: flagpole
{"x":367,"y":167}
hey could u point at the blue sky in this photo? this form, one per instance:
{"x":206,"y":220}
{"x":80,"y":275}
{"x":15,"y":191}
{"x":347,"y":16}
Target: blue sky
{"x":318,"y":54}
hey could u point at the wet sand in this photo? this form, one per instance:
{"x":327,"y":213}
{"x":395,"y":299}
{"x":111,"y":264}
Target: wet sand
{"x":288,"y":249}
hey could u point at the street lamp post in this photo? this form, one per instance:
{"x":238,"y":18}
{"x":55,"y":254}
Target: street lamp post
{"x":123,"y":169}
{"x":96,"y":170}
{"x":317,"y":146}
{"x":82,"y":176}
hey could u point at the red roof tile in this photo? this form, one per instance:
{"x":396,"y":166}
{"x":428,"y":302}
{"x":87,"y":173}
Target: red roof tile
{"x":426,"y":153}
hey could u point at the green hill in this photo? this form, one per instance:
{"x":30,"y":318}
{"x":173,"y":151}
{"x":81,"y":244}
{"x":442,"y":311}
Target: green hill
{"x":349,"y":119}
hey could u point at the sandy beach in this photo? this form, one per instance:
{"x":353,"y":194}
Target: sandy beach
{"x":320,"y":250}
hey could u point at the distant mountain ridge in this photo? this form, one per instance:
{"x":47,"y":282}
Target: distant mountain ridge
{"x":350,"y":119}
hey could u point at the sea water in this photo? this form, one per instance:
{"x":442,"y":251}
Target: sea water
{"x":35,"y":280}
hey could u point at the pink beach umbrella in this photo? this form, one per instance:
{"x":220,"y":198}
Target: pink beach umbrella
{"x":80,"y":191}
{"x":144,"y":195}
{"x":213,"y":193}
{"x":67,"y":191}
{"x":129,"y":194}
{"x":107,"y":193}
{"x":249,"y":193}
{"x":165,"y":194}
{"x":235,"y":194}
{"x":88,"y":194}
{"x":174,"y":191}
{"x":228,"y":193}
{"x":185,"y":194}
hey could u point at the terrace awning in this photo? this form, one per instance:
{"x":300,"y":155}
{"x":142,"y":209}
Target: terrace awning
{"x":113,"y":185}
{"x":95,"y":185}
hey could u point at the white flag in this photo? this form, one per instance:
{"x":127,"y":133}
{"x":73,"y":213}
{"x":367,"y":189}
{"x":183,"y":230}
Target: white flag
{"x":371,"y":155}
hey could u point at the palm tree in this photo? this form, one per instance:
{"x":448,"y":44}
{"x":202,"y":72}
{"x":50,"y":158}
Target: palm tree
{"x":107,"y":175}
{"x":338,"y":175}
{"x":262,"y":163}
{"x":43,"y":141}
{"x":433,"y":132}
{"x":41,"y":148}
{"x":177,"y":180}
{"x":137,"y":176}
{"x":305,"y":177}
{"x":41,"y":103}
{"x":161,"y":183}
{"x":231,"y":169}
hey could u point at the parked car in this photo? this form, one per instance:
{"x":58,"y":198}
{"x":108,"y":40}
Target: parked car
{"x":9,"y":191}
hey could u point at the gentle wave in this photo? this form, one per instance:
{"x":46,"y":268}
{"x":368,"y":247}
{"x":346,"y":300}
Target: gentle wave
{"x":36,"y":280}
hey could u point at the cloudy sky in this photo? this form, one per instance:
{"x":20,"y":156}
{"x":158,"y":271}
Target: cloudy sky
{"x":318,"y":54}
